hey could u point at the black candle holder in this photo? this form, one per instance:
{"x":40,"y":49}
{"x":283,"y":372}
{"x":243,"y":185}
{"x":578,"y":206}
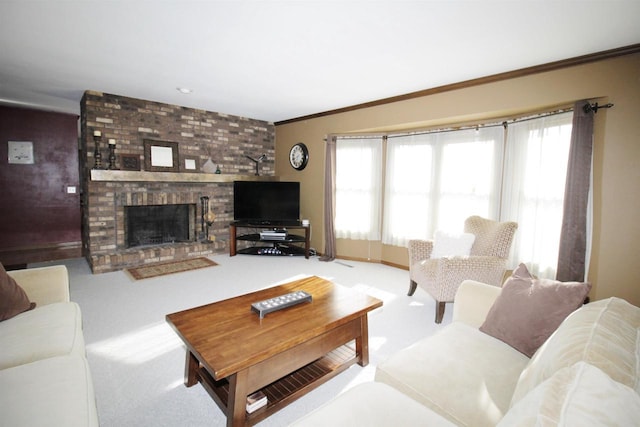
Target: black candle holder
{"x":97,"y":155}
{"x":112,"y":156}
{"x":204,"y":203}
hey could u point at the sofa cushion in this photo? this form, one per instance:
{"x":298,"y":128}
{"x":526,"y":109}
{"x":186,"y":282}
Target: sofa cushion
{"x":604,"y":333}
{"x":580,"y":395}
{"x":49,"y":330}
{"x":13,"y":299}
{"x":372,"y":404}
{"x":529,"y":310}
{"x":50,"y":392}
{"x":435,"y":371}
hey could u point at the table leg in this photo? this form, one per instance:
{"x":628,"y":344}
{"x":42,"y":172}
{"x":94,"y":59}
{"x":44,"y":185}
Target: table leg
{"x":362,"y":342}
{"x":232,"y":240}
{"x":307,"y":232}
{"x":237,"y":403}
{"x":191,"y":370}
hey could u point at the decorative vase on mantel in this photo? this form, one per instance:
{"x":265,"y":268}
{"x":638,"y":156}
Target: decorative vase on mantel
{"x":209,"y":166}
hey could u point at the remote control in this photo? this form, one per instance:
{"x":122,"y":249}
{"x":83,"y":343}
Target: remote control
{"x":280,"y":302}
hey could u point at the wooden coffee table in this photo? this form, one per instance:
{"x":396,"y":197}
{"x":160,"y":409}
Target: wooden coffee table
{"x":232,"y":352}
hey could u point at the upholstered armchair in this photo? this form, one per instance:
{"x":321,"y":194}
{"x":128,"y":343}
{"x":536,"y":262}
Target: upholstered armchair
{"x":442,"y":276}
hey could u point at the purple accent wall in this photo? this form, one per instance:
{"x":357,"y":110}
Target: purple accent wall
{"x":35,"y":209}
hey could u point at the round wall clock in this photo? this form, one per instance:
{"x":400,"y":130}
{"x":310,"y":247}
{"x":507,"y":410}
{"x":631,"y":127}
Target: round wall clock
{"x":299,"y":156}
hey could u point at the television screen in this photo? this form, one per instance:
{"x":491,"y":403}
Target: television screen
{"x":266,"y":202}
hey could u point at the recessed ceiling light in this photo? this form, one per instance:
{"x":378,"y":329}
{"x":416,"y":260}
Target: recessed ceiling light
{"x":184,"y":90}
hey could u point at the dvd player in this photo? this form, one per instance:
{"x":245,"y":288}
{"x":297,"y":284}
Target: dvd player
{"x":279,"y":234}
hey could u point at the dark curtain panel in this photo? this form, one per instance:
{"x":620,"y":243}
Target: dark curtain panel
{"x":330,"y":200}
{"x":573,"y":237}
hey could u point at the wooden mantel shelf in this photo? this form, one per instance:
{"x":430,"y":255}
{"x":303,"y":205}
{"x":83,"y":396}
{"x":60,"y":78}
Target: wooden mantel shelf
{"x":141,"y":176}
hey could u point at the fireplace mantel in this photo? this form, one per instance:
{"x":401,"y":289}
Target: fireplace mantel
{"x":141,"y":176}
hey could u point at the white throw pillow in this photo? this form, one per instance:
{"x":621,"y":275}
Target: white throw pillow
{"x":452,"y":244}
{"x":578,"y":395}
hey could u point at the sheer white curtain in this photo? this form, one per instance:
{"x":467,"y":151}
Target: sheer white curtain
{"x":535,"y":172}
{"x":437,"y":180}
{"x":469,"y":174}
{"x":358,"y":188}
{"x":408,"y":189}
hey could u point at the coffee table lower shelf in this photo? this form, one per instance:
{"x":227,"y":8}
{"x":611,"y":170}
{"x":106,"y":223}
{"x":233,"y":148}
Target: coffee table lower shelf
{"x":288,"y":388}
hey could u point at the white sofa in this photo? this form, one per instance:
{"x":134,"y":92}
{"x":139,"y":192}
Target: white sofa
{"x":44,"y":374}
{"x":585,"y":373}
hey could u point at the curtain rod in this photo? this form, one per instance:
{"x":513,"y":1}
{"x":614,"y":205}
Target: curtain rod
{"x":595,"y":107}
{"x":587,"y":107}
{"x":503,"y":123}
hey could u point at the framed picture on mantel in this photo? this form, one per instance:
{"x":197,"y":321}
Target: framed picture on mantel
{"x":161,"y":156}
{"x":130,"y":162}
{"x":189,"y":164}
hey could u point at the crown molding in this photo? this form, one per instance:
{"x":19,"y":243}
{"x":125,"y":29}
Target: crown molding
{"x":536,"y":69}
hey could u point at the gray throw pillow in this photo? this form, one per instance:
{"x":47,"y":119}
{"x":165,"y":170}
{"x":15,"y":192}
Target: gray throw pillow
{"x":13,"y":299}
{"x":529,"y":310}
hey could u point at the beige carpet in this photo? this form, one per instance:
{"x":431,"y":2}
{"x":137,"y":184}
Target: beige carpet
{"x":163,"y":268}
{"x":137,"y":360}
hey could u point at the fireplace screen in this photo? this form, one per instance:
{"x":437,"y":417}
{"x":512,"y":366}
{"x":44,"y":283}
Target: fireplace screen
{"x":158,"y":224}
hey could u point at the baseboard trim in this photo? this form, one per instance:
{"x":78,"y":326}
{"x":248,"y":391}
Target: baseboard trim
{"x":41,"y":253}
{"x":393,"y":264}
{"x":372,"y":261}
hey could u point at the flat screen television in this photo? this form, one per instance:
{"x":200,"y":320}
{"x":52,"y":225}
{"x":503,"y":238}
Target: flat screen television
{"x":274,"y":203}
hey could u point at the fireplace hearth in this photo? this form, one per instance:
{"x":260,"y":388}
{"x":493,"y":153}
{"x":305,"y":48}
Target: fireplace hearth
{"x":159,"y":224}
{"x":114,"y":244}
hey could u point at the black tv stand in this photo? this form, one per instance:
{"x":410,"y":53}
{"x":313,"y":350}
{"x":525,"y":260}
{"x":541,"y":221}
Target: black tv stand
{"x":289,"y":245}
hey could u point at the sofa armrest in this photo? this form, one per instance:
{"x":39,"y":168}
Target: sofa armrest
{"x":44,"y":285}
{"x":473,"y":301}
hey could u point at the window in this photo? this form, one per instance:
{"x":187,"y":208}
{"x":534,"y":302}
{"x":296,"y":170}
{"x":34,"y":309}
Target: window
{"x":407,"y":190}
{"x":436,"y":180}
{"x":358,"y":188}
{"x":535,"y":173}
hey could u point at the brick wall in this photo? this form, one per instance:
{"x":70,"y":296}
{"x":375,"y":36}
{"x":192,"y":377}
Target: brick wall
{"x":199,"y":134}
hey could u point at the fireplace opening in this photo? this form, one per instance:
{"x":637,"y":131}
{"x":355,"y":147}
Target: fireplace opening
{"x":159,"y":224}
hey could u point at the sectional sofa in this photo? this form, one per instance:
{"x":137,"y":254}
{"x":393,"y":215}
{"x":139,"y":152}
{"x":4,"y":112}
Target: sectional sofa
{"x":586,"y":373}
{"x":44,"y":374}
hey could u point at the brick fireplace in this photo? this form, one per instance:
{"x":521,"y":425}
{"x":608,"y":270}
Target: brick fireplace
{"x":200,"y":136}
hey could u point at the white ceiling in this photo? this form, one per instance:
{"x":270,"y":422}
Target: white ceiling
{"x":278,"y":60}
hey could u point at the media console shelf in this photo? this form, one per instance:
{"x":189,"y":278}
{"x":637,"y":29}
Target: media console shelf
{"x":289,"y":246}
